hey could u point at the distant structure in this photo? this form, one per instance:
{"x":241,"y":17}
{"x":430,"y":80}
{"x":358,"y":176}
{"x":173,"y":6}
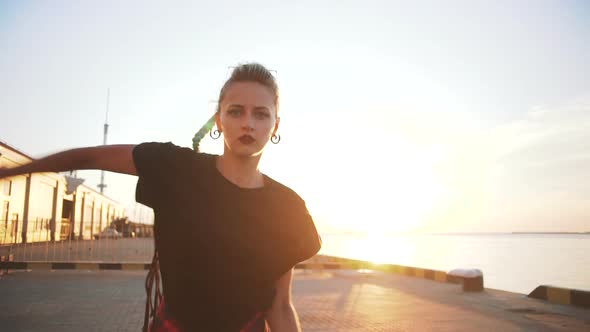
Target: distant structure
{"x":102,"y":185}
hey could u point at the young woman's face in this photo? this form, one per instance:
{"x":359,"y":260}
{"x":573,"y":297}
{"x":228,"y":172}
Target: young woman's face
{"x":247,"y":118}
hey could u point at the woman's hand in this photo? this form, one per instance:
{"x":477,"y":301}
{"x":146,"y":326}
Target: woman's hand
{"x":3,"y":173}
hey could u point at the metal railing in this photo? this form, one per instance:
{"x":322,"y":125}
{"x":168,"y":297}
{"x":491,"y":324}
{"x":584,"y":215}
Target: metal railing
{"x":63,"y":243}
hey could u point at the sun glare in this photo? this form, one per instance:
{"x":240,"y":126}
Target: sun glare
{"x":406,"y":193}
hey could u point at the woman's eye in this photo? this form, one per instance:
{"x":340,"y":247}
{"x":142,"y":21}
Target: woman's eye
{"x":234,"y":112}
{"x":261,"y":115}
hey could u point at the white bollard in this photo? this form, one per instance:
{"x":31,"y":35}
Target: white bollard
{"x":472,"y":279}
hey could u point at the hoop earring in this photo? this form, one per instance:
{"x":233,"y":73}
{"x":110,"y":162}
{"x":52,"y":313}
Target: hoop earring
{"x":275,"y":138}
{"x":215,"y":134}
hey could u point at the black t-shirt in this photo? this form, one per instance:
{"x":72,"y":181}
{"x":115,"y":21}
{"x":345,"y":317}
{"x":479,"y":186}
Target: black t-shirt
{"x":221,"y":247}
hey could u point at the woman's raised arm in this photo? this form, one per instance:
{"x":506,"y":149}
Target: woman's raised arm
{"x":114,"y":158}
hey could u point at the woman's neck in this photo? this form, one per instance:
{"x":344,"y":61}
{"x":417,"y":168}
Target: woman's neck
{"x":243,"y":172}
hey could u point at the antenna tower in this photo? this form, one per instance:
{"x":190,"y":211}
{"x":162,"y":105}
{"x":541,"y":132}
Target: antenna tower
{"x":102,"y":185}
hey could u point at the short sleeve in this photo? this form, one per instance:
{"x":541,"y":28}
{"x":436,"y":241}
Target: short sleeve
{"x":309,"y":241}
{"x":153,"y":161}
{"x":297,"y":239}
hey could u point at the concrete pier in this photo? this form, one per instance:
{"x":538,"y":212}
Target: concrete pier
{"x":326,"y":300}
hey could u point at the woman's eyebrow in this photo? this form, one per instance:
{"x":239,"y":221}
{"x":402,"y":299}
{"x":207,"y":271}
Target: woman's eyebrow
{"x":257,"y":108}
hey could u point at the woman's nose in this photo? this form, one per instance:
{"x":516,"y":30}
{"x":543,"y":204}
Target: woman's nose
{"x":248,"y":122}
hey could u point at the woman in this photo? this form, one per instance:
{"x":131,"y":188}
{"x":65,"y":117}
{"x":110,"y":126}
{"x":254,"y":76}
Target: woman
{"x":227,"y":236}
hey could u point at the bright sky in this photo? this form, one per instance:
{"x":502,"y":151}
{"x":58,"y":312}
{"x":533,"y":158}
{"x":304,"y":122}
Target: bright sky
{"x":441,"y":117}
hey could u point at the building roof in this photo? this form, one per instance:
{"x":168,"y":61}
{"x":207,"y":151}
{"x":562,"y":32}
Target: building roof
{"x":15,"y":150}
